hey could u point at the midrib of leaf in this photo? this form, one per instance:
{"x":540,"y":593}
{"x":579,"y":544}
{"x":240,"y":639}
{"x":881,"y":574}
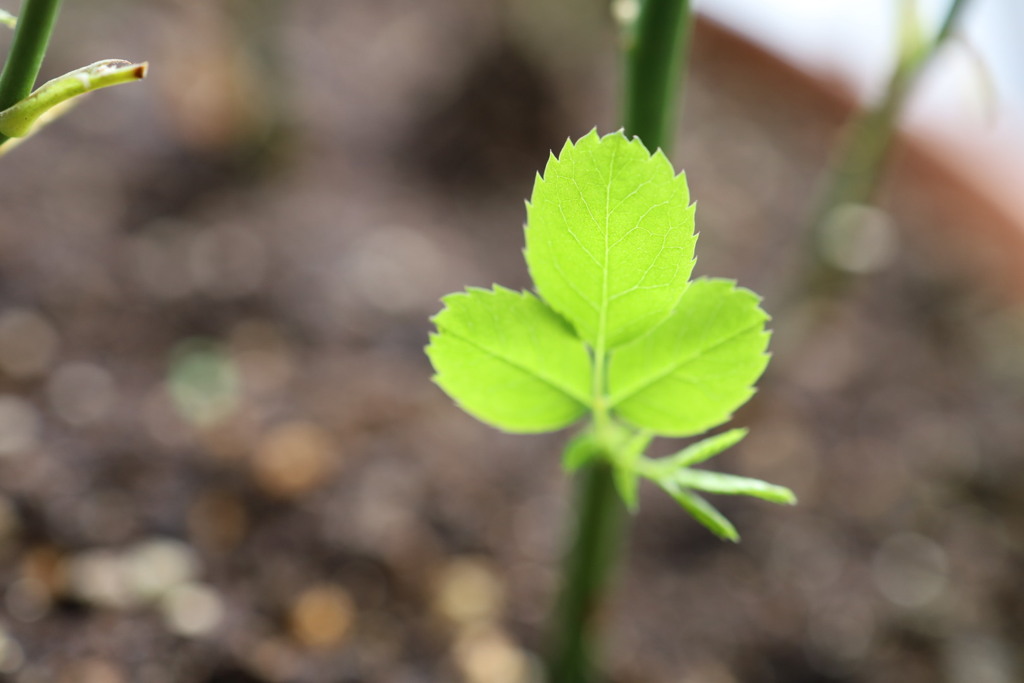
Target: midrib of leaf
{"x":602,"y":332}
{"x":614,"y":400}
{"x":601,"y":351}
{"x":582,"y":400}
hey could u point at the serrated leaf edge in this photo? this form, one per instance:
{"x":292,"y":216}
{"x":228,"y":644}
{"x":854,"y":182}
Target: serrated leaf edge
{"x":616,"y":399}
{"x":583,"y":399}
{"x":659,"y":156}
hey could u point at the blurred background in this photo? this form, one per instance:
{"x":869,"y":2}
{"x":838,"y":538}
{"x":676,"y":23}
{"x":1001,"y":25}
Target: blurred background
{"x":221,"y":456}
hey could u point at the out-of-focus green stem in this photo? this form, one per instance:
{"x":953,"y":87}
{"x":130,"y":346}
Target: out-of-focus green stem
{"x":860,"y":158}
{"x":654,"y":63}
{"x":950,"y":22}
{"x":258,"y":25}
{"x":31,"y":38}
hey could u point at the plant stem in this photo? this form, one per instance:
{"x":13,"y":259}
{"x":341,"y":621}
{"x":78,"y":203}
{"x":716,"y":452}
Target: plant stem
{"x":653,"y":67}
{"x":654,"y":60}
{"x":861,"y":156}
{"x":31,"y":38}
{"x":950,"y":21}
{"x":586,"y":572}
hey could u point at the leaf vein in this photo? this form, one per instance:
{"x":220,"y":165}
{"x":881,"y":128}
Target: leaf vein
{"x":557,"y":386}
{"x":672,"y":368}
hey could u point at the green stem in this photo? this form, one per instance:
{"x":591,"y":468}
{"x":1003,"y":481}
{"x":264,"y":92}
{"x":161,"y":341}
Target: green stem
{"x":654,"y":60}
{"x":586,"y":572}
{"x":31,"y":38}
{"x":950,"y":22}
{"x":860,"y":158}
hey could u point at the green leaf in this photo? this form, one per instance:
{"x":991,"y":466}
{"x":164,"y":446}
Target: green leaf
{"x":703,"y":450}
{"x":691,"y":372}
{"x":8,"y":19}
{"x":703,"y":511}
{"x":581,"y":450}
{"x":627,"y":475}
{"x":627,"y":483}
{"x":609,"y":237}
{"x":510,"y":361}
{"x":730,"y":484}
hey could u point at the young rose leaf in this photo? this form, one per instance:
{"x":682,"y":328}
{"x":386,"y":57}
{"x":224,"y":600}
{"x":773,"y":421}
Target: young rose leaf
{"x":627,"y":485}
{"x":581,"y":450}
{"x":510,"y":361}
{"x":703,"y":511}
{"x":627,"y":474}
{"x":609,"y":237}
{"x":695,"y":453}
{"x":691,"y":372}
{"x":730,"y":484}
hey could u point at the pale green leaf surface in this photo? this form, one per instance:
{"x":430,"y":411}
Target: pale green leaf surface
{"x":730,"y":484}
{"x":609,"y":237}
{"x":510,"y":361}
{"x":704,"y":512}
{"x":691,"y":372}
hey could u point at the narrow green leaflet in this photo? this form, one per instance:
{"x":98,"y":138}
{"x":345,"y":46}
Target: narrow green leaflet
{"x":699,"y":452}
{"x":730,"y":484}
{"x":691,"y":372}
{"x":627,"y":474}
{"x":609,"y":237}
{"x":510,"y":361}
{"x":703,"y":511}
{"x":581,"y":450}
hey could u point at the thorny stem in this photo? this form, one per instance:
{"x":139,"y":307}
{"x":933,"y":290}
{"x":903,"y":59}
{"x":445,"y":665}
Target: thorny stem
{"x":654,"y":62}
{"x":861,"y":156}
{"x":31,"y":38}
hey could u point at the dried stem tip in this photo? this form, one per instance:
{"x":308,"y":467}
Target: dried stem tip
{"x":19,"y":120}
